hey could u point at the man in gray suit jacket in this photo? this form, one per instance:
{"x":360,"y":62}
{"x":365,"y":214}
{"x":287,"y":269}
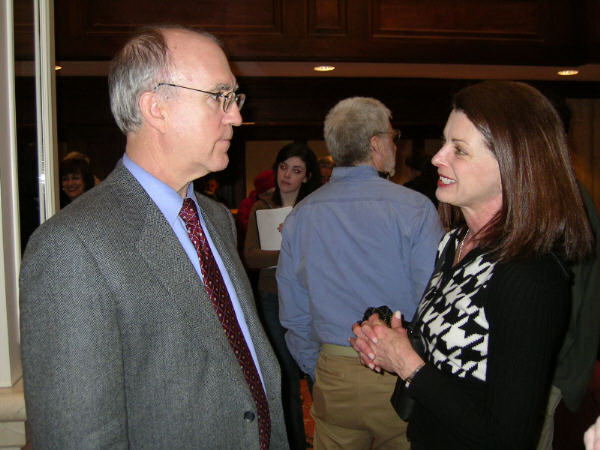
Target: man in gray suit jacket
{"x":121,"y":340}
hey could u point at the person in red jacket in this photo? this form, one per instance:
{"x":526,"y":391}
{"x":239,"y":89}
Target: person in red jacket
{"x":263,"y":182}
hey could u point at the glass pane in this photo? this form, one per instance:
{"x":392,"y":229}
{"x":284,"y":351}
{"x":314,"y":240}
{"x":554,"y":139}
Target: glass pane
{"x":26,"y":118}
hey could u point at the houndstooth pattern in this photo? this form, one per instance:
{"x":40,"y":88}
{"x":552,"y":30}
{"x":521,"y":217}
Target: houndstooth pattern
{"x":453,"y":322}
{"x":219,"y":297}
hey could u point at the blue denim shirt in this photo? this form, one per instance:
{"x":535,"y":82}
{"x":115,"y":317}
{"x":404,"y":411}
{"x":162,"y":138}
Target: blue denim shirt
{"x":356,"y":242}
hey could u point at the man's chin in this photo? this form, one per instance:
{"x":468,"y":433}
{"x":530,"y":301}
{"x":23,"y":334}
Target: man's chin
{"x":221,"y":164}
{"x":218,"y":159}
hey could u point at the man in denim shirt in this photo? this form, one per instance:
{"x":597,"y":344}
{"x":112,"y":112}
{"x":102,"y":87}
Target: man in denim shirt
{"x":356,"y":242}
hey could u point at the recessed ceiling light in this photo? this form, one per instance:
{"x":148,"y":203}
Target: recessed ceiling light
{"x":324,"y":68}
{"x":57,"y":67}
{"x":568,"y":73}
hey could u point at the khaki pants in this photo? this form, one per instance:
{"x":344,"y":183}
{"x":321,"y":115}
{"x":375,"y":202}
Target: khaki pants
{"x":351,"y":405}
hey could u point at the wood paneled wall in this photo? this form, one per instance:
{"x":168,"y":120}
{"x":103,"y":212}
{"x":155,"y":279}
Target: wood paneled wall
{"x":529,"y":32}
{"x":294,"y":109}
{"x":545,"y":32}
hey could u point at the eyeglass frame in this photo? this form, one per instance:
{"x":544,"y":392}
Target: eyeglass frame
{"x":238,"y":98}
{"x":396,"y":134}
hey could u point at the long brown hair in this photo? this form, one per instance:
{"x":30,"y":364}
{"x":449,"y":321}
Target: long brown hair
{"x":302,"y":151}
{"x":542,"y":209}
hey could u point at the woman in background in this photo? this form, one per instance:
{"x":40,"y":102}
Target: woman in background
{"x":493,"y":316}
{"x":296,"y":176}
{"x":75,"y":178}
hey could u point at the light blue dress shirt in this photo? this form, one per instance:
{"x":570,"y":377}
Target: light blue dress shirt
{"x":169,"y":202}
{"x":356,"y":242}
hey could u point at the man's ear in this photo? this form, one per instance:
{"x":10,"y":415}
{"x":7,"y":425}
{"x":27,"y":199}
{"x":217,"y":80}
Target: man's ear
{"x":152,"y":110}
{"x":376,"y":149}
{"x":375,"y":143}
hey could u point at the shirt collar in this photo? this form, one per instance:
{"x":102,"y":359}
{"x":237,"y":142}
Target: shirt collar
{"x":353,"y":172}
{"x":166,"y":198}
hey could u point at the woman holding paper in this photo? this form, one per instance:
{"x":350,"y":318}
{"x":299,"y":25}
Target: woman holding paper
{"x":296,"y":176}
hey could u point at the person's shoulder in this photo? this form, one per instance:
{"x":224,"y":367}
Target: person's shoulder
{"x":401,"y":194}
{"x":537,"y":285}
{"x":376,"y":189}
{"x":89,"y":208}
{"x":94,"y":213}
{"x":212,"y":208}
{"x":259,"y":205}
{"x":545,"y":272}
{"x":101,"y":204}
{"x":246,"y":205}
{"x":265,"y":201}
{"x":245,"y":202}
{"x":407,"y":206}
{"x":547,"y":264}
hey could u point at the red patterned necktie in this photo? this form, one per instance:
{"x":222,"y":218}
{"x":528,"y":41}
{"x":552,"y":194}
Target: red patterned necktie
{"x":219,"y":297}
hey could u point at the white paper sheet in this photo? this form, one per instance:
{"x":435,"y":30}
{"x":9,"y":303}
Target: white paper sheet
{"x":268,"y":220}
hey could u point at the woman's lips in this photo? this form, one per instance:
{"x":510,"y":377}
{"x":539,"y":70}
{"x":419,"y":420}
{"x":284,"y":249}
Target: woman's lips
{"x":445,"y":181}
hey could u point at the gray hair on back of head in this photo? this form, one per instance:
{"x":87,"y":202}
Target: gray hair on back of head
{"x":349,"y":127}
{"x":138,"y":67}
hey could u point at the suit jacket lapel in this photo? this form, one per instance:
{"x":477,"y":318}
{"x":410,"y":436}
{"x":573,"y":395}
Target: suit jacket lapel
{"x":169,"y":265}
{"x":167,"y":261}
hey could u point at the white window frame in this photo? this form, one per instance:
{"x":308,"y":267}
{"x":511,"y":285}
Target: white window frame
{"x":10,"y":237}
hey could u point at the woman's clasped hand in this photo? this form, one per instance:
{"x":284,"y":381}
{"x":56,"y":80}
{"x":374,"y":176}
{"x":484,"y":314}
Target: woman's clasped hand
{"x":382,"y":347}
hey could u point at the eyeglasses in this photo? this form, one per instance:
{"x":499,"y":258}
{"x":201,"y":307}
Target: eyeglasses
{"x":228,"y":98}
{"x":396,"y":134}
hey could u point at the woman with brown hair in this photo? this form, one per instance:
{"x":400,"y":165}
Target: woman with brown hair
{"x":493,"y":316}
{"x":75,"y":178}
{"x":296,"y":176}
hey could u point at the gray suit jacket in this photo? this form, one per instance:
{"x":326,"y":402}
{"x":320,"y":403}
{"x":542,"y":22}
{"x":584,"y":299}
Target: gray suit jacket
{"x":121,"y":346}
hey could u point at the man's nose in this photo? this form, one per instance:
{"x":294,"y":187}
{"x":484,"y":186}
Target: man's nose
{"x":234,"y":116}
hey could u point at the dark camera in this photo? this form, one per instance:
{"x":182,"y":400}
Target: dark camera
{"x":384,"y":313}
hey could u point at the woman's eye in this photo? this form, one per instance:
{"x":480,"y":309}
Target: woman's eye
{"x":459,"y":151}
